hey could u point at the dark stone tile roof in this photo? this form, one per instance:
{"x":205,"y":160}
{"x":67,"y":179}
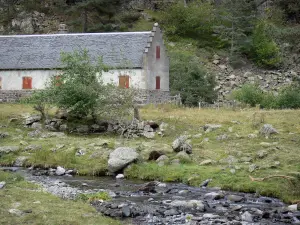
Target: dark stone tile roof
{"x":43,"y":51}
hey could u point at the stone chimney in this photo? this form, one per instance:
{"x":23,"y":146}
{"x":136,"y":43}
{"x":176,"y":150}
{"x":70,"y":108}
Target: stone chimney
{"x":62,"y":28}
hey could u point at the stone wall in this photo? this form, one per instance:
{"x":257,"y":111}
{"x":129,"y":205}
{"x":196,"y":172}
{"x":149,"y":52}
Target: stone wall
{"x":13,"y":95}
{"x":143,"y":97}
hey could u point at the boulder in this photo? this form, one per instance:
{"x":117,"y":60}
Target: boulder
{"x":262,"y":153}
{"x":180,"y":144}
{"x":267,"y":130}
{"x":206,"y":162}
{"x":235,"y":198}
{"x":246,"y":216}
{"x":82,"y":129}
{"x":60,"y":171}
{"x":149,"y":135}
{"x":188,"y":204}
{"x":37,"y":125}
{"x":31,"y":119}
{"x":162,"y":158}
{"x":120,"y":158}
{"x":210,"y":127}
{"x":61,"y":114}
{"x":183,"y":156}
{"x":120,"y":176}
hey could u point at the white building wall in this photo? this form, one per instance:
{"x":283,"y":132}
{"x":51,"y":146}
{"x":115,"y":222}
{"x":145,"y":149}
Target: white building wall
{"x":13,"y":79}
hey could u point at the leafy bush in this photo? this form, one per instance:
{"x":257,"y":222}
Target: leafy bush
{"x":250,"y":94}
{"x":288,"y":97}
{"x":189,"y":79}
{"x":264,"y":49}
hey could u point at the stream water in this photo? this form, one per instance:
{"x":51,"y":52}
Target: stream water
{"x":154,"y":203}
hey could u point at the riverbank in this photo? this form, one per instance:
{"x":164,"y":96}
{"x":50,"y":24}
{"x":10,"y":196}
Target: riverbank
{"x":23,"y":202}
{"x":136,"y":202}
{"x":228,"y":155}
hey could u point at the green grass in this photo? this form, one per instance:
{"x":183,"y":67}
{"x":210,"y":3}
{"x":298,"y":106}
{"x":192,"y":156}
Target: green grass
{"x":44,"y":208}
{"x":283,"y":148}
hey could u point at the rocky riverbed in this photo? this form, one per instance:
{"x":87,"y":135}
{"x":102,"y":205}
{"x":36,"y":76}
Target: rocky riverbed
{"x":137,"y":202}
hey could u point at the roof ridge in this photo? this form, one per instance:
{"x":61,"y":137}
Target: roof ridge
{"x":74,"y":34}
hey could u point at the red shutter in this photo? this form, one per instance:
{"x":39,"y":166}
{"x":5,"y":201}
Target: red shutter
{"x":124,"y":81}
{"x":158,"y":52}
{"x":27,"y":83}
{"x":157,"y":83}
{"x":57,"y":81}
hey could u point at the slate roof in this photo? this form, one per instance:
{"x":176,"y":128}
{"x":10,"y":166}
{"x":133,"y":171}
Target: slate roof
{"x":43,"y":51}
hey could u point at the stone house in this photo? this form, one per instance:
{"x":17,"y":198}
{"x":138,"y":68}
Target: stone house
{"x":137,"y":60}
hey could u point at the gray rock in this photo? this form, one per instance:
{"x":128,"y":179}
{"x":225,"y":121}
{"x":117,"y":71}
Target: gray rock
{"x":210,"y":127}
{"x":267,"y":130}
{"x":8,"y":149}
{"x":262,"y":153}
{"x":3,"y":135}
{"x":126,"y":211}
{"x":60,"y":171}
{"x":120,"y":176}
{"x":120,"y":158}
{"x":37,"y":125}
{"x":148,"y":128}
{"x":34,"y":118}
{"x":33,"y":148}
{"x":188,"y":204}
{"x":206,"y":162}
{"x":210,"y":216}
{"x":2,"y":184}
{"x":16,"y":212}
{"x":222,"y":137}
{"x":246,"y":159}
{"x":246,"y":216}
{"x":83,"y":129}
{"x":162,"y":158}
{"x":252,"y":136}
{"x":20,"y":161}
{"x":183,"y":156}
{"x":214,"y":195}
{"x":235,"y":198}
{"x":171,"y":212}
{"x":252,"y":167}
{"x":35,"y":133}
{"x":149,"y":135}
{"x":177,"y":143}
{"x":63,"y":127}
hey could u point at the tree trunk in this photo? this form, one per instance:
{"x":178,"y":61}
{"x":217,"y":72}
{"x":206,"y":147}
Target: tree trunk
{"x":84,"y":21}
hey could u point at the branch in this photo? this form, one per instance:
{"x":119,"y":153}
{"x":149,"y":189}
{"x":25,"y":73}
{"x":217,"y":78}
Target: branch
{"x":272,"y":176}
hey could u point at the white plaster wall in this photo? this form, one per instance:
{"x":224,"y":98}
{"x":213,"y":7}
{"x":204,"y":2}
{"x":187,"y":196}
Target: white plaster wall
{"x":13,"y":79}
{"x":135,"y":77}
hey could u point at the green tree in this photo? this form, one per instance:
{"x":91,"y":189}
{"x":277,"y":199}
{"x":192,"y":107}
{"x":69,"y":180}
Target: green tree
{"x":189,"y":79}
{"x":89,"y":11}
{"x":79,"y":90}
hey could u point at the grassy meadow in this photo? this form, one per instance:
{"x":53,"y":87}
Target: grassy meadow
{"x":230,"y":158}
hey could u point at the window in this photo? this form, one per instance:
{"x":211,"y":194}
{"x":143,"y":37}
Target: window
{"x":57,"y":81}
{"x":124,"y":81}
{"x":158,"y":52}
{"x":27,"y":83}
{"x":157,"y":83}
{"x":0,"y":82}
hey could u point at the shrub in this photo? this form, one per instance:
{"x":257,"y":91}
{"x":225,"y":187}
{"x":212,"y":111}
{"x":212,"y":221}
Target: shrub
{"x":189,"y":79}
{"x":289,"y":97}
{"x":264,"y":49}
{"x":250,"y":94}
